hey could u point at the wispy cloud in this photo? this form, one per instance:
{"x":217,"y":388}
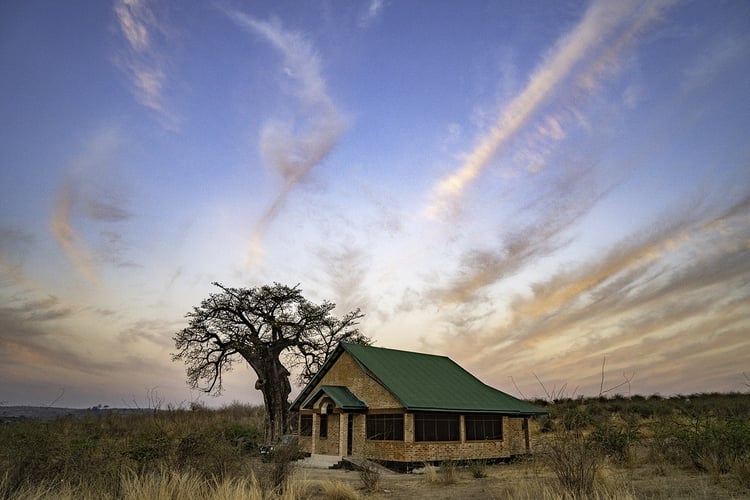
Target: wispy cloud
{"x":67,"y":237}
{"x":726,"y":50}
{"x":294,"y":148}
{"x":532,"y":234}
{"x":345,"y":270}
{"x":668,"y":298}
{"x":374,"y":10}
{"x":579,"y":59}
{"x":142,"y":57}
{"x":15,"y":244}
{"x":90,"y":193}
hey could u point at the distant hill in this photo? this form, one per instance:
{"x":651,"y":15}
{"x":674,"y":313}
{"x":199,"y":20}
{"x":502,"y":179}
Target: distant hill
{"x":15,"y":413}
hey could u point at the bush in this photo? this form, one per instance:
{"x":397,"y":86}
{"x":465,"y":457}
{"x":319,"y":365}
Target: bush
{"x":574,"y":459}
{"x":148,"y":446}
{"x":615,"y":437}
{"x":478,"y":469}
{"x":448,"y":472}
{"x":716,"y":444}
{"x":279,"y":462}
{"x":370,"y":476}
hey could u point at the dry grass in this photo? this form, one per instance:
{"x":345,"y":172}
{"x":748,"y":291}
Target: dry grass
{"x":697,"y":451}
{"x":521,"y":480}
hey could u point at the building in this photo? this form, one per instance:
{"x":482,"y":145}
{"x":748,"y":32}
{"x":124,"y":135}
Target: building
{"x":405,"y":408}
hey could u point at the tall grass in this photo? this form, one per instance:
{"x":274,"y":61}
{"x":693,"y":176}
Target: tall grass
{"x":99,"y":451}
{"x":176,"y":485}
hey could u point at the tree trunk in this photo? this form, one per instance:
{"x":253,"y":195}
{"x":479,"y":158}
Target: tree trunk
{"x":273,"y":382}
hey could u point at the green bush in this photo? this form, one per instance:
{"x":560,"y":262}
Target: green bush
{"x":574,"y":457}
{"x":616,"y":437}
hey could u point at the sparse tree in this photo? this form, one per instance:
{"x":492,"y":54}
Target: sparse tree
{"x":268,"y":327}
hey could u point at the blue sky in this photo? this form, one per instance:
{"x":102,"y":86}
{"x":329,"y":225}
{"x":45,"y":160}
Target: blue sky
{"x":530,"y":188}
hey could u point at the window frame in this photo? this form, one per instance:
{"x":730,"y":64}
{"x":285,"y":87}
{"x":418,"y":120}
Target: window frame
{"x":305,"y":425}
{"x":483,"y":427}
{"x":437,"y":427}
{"x":384,"y":426}
{"x":323,"y":428}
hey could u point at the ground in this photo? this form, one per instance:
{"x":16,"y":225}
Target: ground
{"x":527,"y":480}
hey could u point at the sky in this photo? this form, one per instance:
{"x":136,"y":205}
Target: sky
{"x":554,"y":194}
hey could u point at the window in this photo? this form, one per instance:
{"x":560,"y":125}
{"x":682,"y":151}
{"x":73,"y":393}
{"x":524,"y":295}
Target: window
{"x":483,"y":427}
{"x":305,"y":425}
{"x":324,"y":425}
{"x":385,"y":427}
{"x":436,"y":427}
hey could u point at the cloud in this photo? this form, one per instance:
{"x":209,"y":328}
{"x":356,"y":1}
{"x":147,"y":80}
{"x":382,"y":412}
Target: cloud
{"x":45,"y":309}
{"x":43,"y":344}
{"x":373,"y":12}
{"x":671,"y":298}
{"x":15,"y":245}
{"x":346,"y":270}
{"x":91,"y":192}
{"x":579,"y":58}
{"x":142,"y":57}
{"x":726,"y":50}
{"x":293,"y":149}
{"x":67,"y":237}
{"x":536,"y":231}
{"x":31,"y":335}
{"x":154,"y":331}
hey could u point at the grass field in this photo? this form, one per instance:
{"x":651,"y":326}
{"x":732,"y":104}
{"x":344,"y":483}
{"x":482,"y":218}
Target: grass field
{"x":682,"y":447}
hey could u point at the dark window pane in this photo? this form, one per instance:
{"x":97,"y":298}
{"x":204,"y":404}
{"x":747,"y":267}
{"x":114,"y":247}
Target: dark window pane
{"x":385,"y":427}
{"x":305,"y":425}
{"x":323,"y":425}
{"x":483,"y":427}
{"x":436,"y":427}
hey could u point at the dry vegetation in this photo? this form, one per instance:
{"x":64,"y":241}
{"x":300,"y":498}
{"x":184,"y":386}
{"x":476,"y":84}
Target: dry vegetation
{"x":604,"y":448}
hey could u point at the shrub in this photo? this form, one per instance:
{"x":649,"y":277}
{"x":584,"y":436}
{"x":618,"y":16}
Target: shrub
{"x":148,"y":446}
{"x":716,"y":444}
{"x":279,"y":462}
{"x":370,"y":476}
{"x":478,"y":469}
{"x":448,"y":472}
{"x":574,"y":459}
{"x":741,"y":473}
{"x":616,"y":437}
{"x":430,"y":473}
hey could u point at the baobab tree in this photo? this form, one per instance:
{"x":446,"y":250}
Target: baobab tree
{"x":272,"y":328}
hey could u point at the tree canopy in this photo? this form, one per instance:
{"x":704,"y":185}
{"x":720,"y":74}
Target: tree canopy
{"x":274,"y":329}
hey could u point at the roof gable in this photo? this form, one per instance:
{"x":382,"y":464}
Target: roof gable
{"x":341,"y":396}
{"x":424,"y":382}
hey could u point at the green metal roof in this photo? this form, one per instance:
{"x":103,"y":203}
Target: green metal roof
{"x":425,"y":382}
{"x":342,"y":396}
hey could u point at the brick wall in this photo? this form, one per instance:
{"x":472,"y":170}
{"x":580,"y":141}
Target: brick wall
{"x":347,"y":372}
{"x":513,"y":443}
